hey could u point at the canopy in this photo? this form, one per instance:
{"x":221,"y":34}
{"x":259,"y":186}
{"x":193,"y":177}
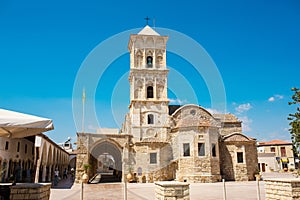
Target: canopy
{"x":19,"y":125}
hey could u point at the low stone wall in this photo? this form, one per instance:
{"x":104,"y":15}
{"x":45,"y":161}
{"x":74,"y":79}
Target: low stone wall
{"x":282,"y":189}
{"x":172,"y":190}
{"x":32,"y":191}
{"x":200,"y":178}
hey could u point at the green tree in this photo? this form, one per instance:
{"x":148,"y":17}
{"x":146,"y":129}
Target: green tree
{"x":295,"y":120}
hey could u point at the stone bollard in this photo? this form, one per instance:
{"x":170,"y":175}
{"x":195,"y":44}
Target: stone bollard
{"x":282,"y":188}
{"x":172,"y":190}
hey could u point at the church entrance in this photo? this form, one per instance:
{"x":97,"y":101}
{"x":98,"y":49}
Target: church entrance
{"x":106,"y":162}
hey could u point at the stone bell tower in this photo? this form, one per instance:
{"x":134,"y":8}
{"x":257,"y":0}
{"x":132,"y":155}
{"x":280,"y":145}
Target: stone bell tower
{"x":148,"y":85}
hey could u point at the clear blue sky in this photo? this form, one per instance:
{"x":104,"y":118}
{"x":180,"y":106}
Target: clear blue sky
{"x":255,"y":45}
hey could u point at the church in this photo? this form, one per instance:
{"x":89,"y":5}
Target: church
{"x":161,"y":142}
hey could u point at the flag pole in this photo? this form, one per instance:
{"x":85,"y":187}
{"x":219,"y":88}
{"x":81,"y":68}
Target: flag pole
{"x":82,"y":126}
{"x":83,"y":106}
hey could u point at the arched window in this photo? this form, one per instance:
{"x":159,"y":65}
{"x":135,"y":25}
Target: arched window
{"x":150,"y":119}
{"x":149,"y":92}
{"x":149,"y":61}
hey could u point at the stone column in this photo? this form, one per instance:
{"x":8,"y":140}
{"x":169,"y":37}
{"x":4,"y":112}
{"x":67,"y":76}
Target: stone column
{"x":44,"y":173}
{"x":144,"y":59}
{"x":154,"y":59}
{"x":50,"y":174}
{"x":37,"y":171}
{"x":154,"y":88}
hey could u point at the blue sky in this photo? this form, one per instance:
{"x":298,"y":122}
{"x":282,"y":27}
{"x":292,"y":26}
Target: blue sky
{"x":254,"y":44}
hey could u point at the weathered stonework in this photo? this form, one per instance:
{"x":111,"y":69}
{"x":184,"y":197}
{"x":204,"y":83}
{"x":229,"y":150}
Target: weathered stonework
{"x":285,"y":189}
{"x":155,"y":143}
{"x":32,"y":191}
{"x":231,"y":169}
{"x":172,"y":191}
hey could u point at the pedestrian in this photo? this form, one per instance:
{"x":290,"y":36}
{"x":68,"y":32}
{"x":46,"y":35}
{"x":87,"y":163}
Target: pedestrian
{"x":56,"y":177}
{"x":72,"y":173}
{"x":65,"y":175}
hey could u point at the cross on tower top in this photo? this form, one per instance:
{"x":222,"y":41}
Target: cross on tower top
{"x":147,"y":19}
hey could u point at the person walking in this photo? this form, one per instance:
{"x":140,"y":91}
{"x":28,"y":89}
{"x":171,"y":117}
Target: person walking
{"x":56,"y":177}
{"x":65,"y":175}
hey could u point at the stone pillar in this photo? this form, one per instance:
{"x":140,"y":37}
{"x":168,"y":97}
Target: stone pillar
{"x":172,"y":190}
{"x":6,"y":171}
{"x":50,"y":174}
{"x":282,"y":188}
{"x":154,"y":59}
{"x":44,"y":173}
{"x":37,"y":171}
{"x":144,"y":59}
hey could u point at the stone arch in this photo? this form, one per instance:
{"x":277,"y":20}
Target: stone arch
{"x":44,"y":154}
{"x":193,"y":116}
{"x":50,"y":155}
{"x":149,"y":42}
{"x":138,"y":89}
{"x":139,"y":58}
{"x":150,"y":91}
{"x":159,"y":58}
{"x":236,"y":137}
{"x":109,"y":151}
{"x":149,"y":58}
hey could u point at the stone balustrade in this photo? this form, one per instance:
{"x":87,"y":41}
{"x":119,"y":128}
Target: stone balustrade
{"x":282,"y":189}
{"x":32,"y":191}
{"x":172,"y":190}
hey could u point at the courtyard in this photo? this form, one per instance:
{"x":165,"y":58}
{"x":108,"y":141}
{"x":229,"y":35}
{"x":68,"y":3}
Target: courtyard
{"x":144,"y":191}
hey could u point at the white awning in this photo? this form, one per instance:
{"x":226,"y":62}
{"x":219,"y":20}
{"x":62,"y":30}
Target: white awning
{"x":19,"y":125}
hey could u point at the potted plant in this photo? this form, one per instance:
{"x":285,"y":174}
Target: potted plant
{"x":130,"y":174}
{"x":257,"y":174}
{"x":85,"y":176}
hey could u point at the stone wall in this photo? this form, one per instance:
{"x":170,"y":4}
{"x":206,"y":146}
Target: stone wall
{"x":282,"y":189}
{"x":251,"y":160}
{"x":230,"y":168}
{"x":32,"y":191}
{"x":172,"y":191}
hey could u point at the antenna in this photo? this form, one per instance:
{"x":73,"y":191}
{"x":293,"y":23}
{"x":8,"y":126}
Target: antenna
{"x":154,"y":22}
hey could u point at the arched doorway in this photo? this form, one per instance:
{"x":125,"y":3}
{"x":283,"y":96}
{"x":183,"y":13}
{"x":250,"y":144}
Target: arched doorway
{"x":106,"y":159}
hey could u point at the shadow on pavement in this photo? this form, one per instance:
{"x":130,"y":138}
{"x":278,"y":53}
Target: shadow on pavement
{"x":64,"y":183}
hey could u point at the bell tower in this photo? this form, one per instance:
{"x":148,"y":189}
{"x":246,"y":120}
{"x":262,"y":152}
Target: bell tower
{"x":148,"y":85}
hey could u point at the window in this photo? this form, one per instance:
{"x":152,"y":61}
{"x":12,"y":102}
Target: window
{"x":18,"y":147}
{"x":25,"y":148}
{"x":201,"y":149}
{"x":186,"y":149}
{"x":149,"y":92}
{"x":272,"y":149}
{"x":149,"y":61}
{"x":213,"y":150}
{"x":6,"y":145}
{"x":240,"y":158}
{"x":282,"y":151}
{"x":153,"y":159}
{"x":150,"y":119}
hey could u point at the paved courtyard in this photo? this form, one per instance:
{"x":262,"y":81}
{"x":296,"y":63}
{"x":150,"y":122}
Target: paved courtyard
{"x":144,"y":191}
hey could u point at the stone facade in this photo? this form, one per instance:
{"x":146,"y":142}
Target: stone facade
{"x":160,"y":142}
{"x":239,"y":160}
{"x":13,"y":155}
{"x":285,"y":189}
{"x":31,"y":159}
